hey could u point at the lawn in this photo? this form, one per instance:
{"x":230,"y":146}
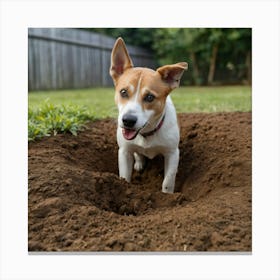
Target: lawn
{"x":52,"y":112}
{"x":100,"y":101}
{"x":213,"y":99}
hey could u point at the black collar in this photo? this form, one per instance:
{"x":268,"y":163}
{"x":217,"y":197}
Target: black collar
{"x":150,"y":133}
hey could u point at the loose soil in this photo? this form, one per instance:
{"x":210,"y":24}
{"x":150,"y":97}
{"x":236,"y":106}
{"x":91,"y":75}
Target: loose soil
{"x":76,"y":202}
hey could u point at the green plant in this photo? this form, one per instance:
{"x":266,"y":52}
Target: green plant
{"x":49,"y":119}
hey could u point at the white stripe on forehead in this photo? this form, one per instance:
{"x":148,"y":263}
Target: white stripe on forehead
{"x":131,"y":88}
{"x":133,"y":104}
{"x":138,"y":87}
{"x":137,"y":91}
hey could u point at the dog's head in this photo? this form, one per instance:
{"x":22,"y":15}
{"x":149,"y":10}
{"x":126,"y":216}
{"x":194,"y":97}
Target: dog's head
{"x":141,"y":92}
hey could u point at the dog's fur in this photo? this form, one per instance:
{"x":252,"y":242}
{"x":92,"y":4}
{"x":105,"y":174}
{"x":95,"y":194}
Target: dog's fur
{"x":147,"y":122}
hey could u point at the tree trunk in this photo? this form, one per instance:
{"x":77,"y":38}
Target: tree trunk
{"x":196,"y":74}
{"x":212,"y":67}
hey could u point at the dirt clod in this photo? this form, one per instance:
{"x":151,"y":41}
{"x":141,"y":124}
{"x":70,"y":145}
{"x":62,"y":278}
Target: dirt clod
{"x":78,"y":203}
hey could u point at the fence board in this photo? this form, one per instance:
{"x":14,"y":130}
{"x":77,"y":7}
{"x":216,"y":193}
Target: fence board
{"x":61,"y":58}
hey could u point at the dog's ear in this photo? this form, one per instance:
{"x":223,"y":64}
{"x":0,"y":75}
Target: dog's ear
{"x":120,"y":59}
{"x":171,"y":74}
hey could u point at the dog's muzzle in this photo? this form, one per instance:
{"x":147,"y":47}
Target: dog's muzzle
{"x":128,"y":130}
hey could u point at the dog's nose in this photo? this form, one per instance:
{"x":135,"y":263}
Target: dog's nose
{"x":129,"y":120}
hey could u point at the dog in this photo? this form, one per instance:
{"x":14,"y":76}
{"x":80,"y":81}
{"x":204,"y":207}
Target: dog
{"x":147,"y":120}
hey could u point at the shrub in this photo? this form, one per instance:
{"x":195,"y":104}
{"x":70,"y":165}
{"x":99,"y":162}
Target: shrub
{"x":50,"y":120}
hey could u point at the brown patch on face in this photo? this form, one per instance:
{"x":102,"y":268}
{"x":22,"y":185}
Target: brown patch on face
{"x":128,"y":81}
{"x":150,"y":83}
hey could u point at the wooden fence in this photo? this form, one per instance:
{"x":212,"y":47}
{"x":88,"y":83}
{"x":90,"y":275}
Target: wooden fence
{"x":60,"y":58}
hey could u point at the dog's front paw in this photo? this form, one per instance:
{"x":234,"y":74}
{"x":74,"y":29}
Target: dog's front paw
{"x":139,"y":163}
{"x":138,"y":166}
{"x":168,"y":189}
{"x":168,"y":184}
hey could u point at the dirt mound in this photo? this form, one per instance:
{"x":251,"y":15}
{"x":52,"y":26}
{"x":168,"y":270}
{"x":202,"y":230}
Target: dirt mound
{"x":78,"y":203}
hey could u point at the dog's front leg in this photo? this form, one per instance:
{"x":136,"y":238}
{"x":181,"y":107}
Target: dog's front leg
{"x":171,"y":161}
{"x":125,"y":164}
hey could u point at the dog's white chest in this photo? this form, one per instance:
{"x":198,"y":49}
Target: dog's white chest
{"x":148,"y":149}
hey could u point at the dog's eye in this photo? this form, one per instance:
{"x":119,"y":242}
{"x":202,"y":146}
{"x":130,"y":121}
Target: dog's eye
{"x":149,"y":98}
{"x":124,"y":93}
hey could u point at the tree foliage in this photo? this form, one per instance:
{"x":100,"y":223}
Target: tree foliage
{"x":214,"y":55}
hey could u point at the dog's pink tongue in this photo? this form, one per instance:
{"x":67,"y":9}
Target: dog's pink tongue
{"x":129,"y":134}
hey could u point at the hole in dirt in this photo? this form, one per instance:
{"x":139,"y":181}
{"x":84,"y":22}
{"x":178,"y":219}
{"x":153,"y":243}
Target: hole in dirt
{"x":90,"y":160}
{"x":96,"y":150}
{"x":107,"y":192}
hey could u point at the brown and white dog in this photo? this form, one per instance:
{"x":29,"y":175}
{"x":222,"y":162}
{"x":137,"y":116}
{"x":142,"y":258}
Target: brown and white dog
{"x":147,"y":121}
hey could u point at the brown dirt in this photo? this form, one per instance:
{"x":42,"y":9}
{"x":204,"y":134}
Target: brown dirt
{"x":78,"y":203}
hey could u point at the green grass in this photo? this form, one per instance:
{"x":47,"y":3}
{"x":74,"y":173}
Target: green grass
{"x":100,"y":101}
{"x":212,"y":99}
{"x":51,"y":112}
